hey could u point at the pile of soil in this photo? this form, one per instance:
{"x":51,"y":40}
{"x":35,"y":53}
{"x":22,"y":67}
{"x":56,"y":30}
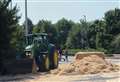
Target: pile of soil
{"x":88,"y":63}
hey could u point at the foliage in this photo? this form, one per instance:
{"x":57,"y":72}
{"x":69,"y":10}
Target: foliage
{"x":116,"y":44}
{"x":97,"y":35}
{"x":45,"y":26}
{"x":18,"y":39}
{"x":73,"y":51}
{"x":63,"y":27}
{"x":112,"y":18}
{"x":101,"y":35}
{"x":8,"y":22}
{"x":72,"y":39}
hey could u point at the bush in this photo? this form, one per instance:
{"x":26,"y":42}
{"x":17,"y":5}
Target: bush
{"x":72,"y":52}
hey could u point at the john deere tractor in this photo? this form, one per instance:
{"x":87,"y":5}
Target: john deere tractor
{"x":44,"y":53}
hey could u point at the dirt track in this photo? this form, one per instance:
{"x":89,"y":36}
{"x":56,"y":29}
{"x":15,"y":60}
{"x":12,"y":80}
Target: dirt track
{"x":42,"y":77}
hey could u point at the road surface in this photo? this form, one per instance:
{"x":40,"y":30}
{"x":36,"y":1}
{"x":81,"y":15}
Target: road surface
{"x":46,"y":77}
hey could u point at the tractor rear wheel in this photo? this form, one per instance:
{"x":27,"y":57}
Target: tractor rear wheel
{"x":45,"y":64}
{"x":55,"y":58}
{"x":54,"y":61}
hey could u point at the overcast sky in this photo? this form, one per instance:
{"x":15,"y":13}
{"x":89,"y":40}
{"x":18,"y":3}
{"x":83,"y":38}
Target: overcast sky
{"x":70,"y":9}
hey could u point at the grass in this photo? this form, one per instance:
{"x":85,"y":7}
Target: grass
{"x":72,"y":52}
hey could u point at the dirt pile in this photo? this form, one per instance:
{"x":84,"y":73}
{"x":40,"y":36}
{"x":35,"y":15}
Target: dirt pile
{"x":88,"y":63}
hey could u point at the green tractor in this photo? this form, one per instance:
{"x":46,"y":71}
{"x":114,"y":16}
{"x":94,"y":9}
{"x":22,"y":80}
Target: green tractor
{"x":43,"y":53}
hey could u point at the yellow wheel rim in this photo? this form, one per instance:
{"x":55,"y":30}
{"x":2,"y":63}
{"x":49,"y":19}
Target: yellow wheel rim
{"x":47,"y":63}
{"x":55,"y":58}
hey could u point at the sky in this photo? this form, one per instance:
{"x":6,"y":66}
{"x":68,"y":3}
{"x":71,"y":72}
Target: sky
{"x":54,"y":10}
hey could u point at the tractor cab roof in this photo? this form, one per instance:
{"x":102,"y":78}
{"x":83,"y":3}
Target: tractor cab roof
{"x":36,"y":34}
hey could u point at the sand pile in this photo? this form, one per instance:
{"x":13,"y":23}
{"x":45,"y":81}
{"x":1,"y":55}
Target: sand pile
{"x":88,"y":63}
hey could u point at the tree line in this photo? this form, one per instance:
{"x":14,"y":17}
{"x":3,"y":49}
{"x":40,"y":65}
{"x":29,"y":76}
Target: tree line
{"x":102,"y":34}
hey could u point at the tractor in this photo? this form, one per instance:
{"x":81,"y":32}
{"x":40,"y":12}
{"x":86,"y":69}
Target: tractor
{"x":43,"y":53}
{"x":40,"y":55}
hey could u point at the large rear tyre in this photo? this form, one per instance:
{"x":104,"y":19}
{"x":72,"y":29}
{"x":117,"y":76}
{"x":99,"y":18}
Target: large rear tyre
{"x":55,"y":59}
{"x":46,"y":64}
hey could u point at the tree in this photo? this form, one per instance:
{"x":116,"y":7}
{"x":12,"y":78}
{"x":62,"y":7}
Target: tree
{"x":45,"y":26}
{"x":112,"y":18}
{"x":8,"y":22}
{"x":116,"y":45}
{"x":18,"y":39}
{"x":78,"y":35}
{"x":96,"y":33}
{"x":84,"y":33}
{"x":73,"y":39}
{"x":63,"y":27}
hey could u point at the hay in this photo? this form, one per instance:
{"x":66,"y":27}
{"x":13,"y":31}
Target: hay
{"x":88,"y":63}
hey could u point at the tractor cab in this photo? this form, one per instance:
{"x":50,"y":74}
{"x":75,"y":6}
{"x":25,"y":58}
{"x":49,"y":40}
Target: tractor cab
{"x":35,"y":40}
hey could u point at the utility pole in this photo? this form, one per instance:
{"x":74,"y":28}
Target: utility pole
{"x":86,"y":32}
{"x":84,"y":17}
{"x":11,"y":4}
{"x":26,"y":22}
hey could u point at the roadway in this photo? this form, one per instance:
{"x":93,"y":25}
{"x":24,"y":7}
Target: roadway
{"x":47,"y":77}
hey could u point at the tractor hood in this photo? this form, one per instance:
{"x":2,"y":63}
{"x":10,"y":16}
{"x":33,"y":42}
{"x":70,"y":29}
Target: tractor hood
{"x":28,"y":48}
